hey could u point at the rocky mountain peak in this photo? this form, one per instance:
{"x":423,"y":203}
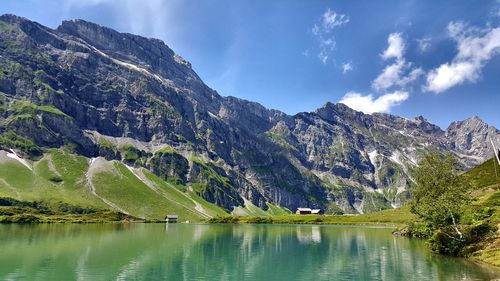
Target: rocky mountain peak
{"x":472,"y":137}
{"x":13,"y":19}
{"x":331,"y":110}
{"x":148,"y":53}
{"x":426,"y":126}
{"x":474,"y":123}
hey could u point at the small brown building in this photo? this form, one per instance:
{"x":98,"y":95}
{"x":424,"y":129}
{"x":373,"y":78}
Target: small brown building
{"x":171,"y":218}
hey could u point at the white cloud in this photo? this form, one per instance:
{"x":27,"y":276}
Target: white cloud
{"x":331,"y":19}
{"x":322,"y":31}
{"x":424,"y":44}
{"x":346,"y":67}
{"x":323,"y":56}
{"x":475,"y":48}
{"x":396,"y":47}
{"x":368,"y":104}
{"x":400,"y":73}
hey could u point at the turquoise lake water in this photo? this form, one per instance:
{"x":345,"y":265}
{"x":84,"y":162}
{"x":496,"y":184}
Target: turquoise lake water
{"x":221,"y":252}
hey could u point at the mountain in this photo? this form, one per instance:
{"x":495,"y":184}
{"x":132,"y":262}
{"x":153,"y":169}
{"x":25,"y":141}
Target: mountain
{"x":130,"y":101}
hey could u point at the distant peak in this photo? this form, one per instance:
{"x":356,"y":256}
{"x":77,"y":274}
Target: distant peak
{"x":82,"y":27}
{"x":339,"y":107}
{"x":476,"y":118}
{"x":472,"y":120}
{"x":421,"y":118}
{"x":12,"y":18}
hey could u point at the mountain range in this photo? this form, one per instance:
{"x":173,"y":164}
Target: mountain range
{"x":124,"y":102}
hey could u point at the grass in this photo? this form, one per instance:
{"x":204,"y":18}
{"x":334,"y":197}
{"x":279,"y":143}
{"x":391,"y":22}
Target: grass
{"x":119,"y":185}
{"x":392,"y":217}
{"x":21,"y":107}
{"x":64,"y":181}
{"x":106,"y":144}
{"x":276,"y":210}
{"x":60,"y":176}
{"x":250,"y":210}
{"x":188,"y":200}
{"x":254,"y":211}
{"x":484,"y":175}
{"x":485,"y":180}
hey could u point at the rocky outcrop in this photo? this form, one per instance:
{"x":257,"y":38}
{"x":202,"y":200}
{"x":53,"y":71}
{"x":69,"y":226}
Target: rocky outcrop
{"x":470,"y":140}
{"x":66,"y":86}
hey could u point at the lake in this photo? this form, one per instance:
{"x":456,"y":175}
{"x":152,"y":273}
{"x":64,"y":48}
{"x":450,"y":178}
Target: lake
{"x":221,"y":252}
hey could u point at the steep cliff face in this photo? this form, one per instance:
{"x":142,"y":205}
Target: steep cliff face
{"x":122,"y":96}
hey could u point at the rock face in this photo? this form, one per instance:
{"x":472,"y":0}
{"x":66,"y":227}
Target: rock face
{"x":122,"y":96}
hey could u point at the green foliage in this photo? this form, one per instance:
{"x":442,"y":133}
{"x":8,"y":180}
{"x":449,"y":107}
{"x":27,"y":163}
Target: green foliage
{"x":20,"y":218}
{"x":418,"y":230}
{"x":10,"y":140}
{"x":440,"y":194}
{"x":129,"y":152}
{"x":46,"y":207}
{"x":447,"y":241}
{"x":442,"y":198}
{"x":26,"y":215}
{"x":73,"y":209}
{"x":224,"y":219}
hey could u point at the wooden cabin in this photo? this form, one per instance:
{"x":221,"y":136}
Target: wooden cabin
{"x":307,"y":211}
{"x":171,"y":218}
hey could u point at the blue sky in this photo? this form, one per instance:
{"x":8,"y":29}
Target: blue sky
{"x":439,"y":59}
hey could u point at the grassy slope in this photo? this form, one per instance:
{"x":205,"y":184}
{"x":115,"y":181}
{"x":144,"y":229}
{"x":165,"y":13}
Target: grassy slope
{"x":120,"y":186}
{"x":486,"y":181}
{"x":60,"y":177}
{"x":61,"y":182}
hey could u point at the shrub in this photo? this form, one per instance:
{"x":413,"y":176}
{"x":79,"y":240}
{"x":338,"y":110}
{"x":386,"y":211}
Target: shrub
{"x":21,"y":218}
{"x":419,"y":230}
{"x":55,"y":179}
{"x":11,"y":140}
{"x":72,"y":209}
{"x":259,"y":220}
{"x":447,"y":241}
{"x":129,"y":152}
{"x":224,"y":219}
